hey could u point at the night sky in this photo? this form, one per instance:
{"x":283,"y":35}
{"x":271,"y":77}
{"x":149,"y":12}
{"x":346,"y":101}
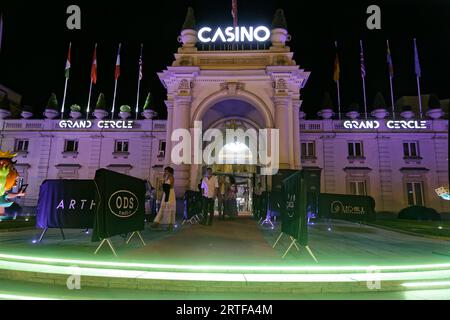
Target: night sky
{"x":35,"y":42}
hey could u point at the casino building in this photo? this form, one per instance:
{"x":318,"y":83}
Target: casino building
{"x":247,"y":86}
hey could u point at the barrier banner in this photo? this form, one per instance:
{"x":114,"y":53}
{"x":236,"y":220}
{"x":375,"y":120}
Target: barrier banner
{"x":66,"y":204}
{"x":344,"y":206}
{"x":121,"y":204}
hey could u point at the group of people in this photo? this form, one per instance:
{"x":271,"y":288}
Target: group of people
{"x":210,"y":187}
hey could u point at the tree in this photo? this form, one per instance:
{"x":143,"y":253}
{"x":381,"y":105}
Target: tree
{"x":433,"y":102}
{"x":189,"y":21}
{"x":379,"y":102}
{"x":4,"y":102}
{"x":101,"y":103}
{"x":327,"y":103}
{"x":354,"y":107}
{"x":52,"y":102}
{"x":279,"y":20}
{"x":148,"y":102}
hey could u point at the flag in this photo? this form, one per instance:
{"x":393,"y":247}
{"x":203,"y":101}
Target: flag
{"x":389,"y":61}
{"x":67,"y":70}
{"x":234,"y":12}
{"x":337,"y":69}
{"x":416,"y":60}
{"x":94,"y":66}
{"x":140,"y":65}
{"x":117,"y":70}
{"x":363,"y":67}
{"x":1,"y":31}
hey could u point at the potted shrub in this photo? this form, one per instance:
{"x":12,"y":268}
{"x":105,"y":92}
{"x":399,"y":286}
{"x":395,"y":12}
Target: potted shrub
{"x":51,"y":110}
{"x":27,"y":112}
{"x":279,"y":34}
{"x":188,"y":36}
{"x":125,"y":112}
{"x":353,"y":111}
{"x":301,"y":114}
{"x":100,"y":108}
{"x":327,"y":107}
{"x":148,"y":113}
{"x":434,"y":108}
{"x":75,"y":111}
{"x":4,"y":107}
{"x":379,"y":107}
{"x":407,"y":112}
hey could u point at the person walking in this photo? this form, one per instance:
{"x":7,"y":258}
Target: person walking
{"x":210,"y":188}
{"x":167,"y":209}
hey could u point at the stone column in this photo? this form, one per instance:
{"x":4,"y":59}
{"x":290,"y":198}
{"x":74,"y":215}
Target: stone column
{"x":282,"y":123}
{"x":181,"y":120}
{"x":296,"y":133}
{"x":169,"y":127}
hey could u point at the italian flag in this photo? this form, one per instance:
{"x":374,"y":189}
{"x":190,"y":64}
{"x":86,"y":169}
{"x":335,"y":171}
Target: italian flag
{"x":67,"y":70}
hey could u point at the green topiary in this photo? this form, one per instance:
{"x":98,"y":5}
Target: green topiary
{"x":4,"y":102}
{"x":101,"y":103}
{"x":327,"y":103}
{"x":125,"y":108}
{"x":52,"y":102}
{"x":406,"y":108}
{"x":189,"y":21}
{"x":279,"y":20}
{"x":148,"y":102}
{"x":433,"y":102}
{"x":75,"y":108}
{"x":354,"y":107}
{"x":379,"y":102}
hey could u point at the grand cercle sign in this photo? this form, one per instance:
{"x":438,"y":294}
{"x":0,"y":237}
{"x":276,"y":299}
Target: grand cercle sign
{"x":234,"y":34}
{"x":102,"y":124}
{"x":390,"y":124}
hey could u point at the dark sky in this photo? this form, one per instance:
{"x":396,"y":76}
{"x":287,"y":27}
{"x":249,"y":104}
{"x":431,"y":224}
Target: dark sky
{"x":35,"y":44}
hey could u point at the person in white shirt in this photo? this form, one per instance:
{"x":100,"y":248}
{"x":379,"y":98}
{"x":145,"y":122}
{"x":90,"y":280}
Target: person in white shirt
{"x":209,"y":187}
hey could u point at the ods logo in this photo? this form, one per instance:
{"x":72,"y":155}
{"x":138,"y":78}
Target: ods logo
{"x":123,"y":203}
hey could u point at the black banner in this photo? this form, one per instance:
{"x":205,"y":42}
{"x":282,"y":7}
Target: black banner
{"x":293,"y":209}
{"x":67,"y":204}
{"x":121,"y":204}
{"x":344,"y":206}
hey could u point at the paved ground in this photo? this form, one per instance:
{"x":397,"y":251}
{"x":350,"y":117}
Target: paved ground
{"x":241,"y":242}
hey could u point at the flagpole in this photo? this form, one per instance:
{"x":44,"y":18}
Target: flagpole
{"x":417,"y":77}
{"x":363,"y":82}
{"x":139,"y":82}
{"x":90,"y":86}
{"x":115,"y":88}
{"x":390,"y":82}
{"x":338,"y":88}
{"x":65,"y":88}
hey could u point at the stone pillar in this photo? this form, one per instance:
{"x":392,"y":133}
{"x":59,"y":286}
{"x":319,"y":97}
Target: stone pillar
{"x":296,"y":132}
{"x":181,"y":120}
{"x":169,"y":127}
{"x":282,"y":123}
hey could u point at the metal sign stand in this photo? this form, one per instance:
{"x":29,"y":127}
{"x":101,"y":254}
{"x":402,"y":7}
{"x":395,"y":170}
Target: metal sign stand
{"x":295,"y":243}
{"x":45,"y":231}
{"x":139,"y":235}
{"x":109,"y":243}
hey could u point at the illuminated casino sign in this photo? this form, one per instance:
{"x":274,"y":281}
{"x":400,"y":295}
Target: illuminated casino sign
{"x":102,"y":124}
{"x":391,"y":124}
{"x":234,"y":34}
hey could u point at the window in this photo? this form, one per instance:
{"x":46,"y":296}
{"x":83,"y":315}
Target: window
{"x":71,"y":146}
{"x":358,"y":188}
{"x":121,"y":146}
{"x":355,"y":149}
{"x":415,"y":193}
{"x":411,"y":149}
{"x":21,"y":145}
{"x":162,"y":149}
{"x":308,"y":149}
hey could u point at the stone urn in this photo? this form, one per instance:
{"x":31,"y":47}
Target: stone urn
{"x":379,"y":113}
{"x":188,"y":38}
{"x":279,"y":36}
{"x":148,"y":114}
{"x":435,"y":113}
{"x":26,"y":114}
{"x":100,"y":114}
{"x":124,"y":115}
{"x":352,"y":114}
{"x":407,"y":114}
{"x":51,"y":113}
{"x":301,"y":115}
{"x":4,"y":114}
{"x":326,"y":113}
{"x":75,"y":114}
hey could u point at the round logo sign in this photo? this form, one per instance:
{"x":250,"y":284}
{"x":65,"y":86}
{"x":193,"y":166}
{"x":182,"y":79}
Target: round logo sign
{"x":123,"y":203}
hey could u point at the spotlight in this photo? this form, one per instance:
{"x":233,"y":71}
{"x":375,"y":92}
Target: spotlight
{"x":440,"y":227}
{"x":329,"y":229}
{"x":34,"y":241}
{"x":26,"y":220}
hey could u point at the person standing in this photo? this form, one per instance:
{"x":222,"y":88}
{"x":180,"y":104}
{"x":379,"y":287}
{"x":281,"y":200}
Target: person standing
{"x":221,"y":197}
{"x":231,"y":197}
{"x":168,"y":202}
{"x":210,"y":188}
